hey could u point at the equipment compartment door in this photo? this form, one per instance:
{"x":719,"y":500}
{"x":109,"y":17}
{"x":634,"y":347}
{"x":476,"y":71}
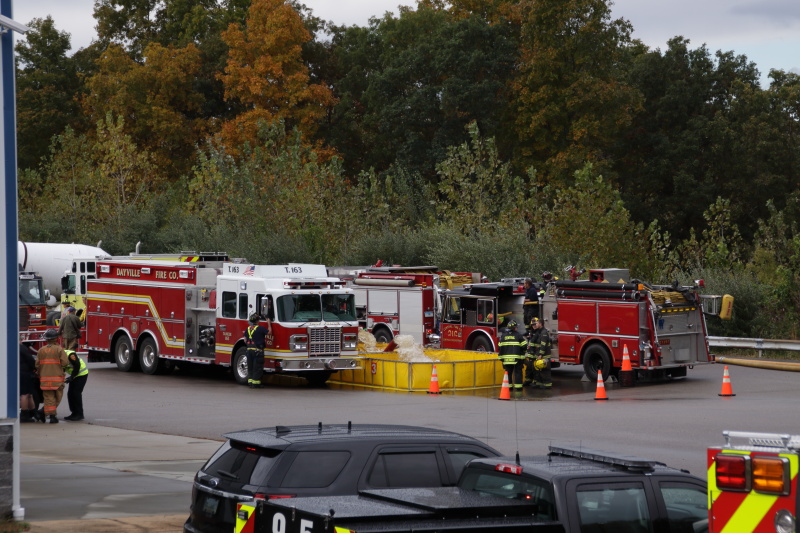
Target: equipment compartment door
{"x":411,"y":315}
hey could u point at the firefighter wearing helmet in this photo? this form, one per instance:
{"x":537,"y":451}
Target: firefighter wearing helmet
{"x":255,"y":338}
{"x":539,"y":356}
{"x":51,"y":361}
{"x":512,"y":352}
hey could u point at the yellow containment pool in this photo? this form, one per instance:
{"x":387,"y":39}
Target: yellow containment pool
{"x":455,"y":369}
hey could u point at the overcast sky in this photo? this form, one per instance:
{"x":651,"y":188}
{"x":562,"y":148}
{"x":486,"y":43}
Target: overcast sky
{"x":766,"y":31}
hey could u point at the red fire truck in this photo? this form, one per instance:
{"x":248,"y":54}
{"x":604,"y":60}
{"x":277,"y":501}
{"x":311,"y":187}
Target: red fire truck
{"x":592,"y":321}
{"x":401,"y":300}
{"x":752,"y":483}
{"x":154,"y":314}
{"x":469,"y":316}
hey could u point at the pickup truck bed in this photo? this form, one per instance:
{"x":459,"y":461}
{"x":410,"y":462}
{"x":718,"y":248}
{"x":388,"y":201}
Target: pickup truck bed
{"x":566,"y":491}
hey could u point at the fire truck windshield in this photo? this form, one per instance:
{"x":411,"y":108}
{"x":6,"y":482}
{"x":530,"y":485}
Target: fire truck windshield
{"x":316,"y":307}
{"x":30,"y":292}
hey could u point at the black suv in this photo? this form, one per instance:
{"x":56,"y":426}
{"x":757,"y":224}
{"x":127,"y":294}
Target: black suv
{"x":289,"y":461}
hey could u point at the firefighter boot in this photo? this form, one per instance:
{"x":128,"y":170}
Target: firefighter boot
{"x":53,"y":419}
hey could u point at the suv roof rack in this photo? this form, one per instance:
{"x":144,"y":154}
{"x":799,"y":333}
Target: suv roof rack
{"x":625,"y":461}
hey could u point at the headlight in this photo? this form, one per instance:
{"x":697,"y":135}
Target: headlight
{"x":298,"y":343}
{"x":784,"y":522}
{"x":349,"y":341}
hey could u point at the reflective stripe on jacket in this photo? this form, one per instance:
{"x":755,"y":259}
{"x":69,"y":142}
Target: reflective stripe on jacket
{"x":512,"y":346}
{"x":51,"y":361}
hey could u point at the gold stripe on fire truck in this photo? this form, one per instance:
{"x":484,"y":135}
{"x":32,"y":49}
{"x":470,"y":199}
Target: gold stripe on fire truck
{"x":755,"y":506}
{"x":134,"y":299}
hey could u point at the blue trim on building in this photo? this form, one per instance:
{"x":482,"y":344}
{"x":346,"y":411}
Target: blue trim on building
{"x":11,"y":230}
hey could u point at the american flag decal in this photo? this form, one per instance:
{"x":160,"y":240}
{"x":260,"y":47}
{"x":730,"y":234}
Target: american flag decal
{"x":250,"y":270}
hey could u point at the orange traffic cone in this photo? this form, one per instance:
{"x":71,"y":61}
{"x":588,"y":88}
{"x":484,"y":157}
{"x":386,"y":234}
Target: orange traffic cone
{"x":434,"y":388}
{"x":626,"y":360}
{"x":601,"y":387}
{"x":727,"y":390}
{"x":626,"y":373}
{"x":505,"y":391}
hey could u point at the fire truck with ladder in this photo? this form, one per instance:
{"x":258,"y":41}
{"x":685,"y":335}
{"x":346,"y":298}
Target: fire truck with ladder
{"x":401,"y":300}
{"x":591,"y":322}
{"x":156,"y":314}
{"x":752,"y":483}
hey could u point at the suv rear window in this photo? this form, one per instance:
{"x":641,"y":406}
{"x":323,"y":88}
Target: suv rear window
{"x":315,"y":469}
{"x":416,"y":469}
{"x":244,"y":464}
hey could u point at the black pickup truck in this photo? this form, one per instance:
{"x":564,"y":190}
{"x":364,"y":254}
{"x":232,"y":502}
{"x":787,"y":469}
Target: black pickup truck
{"x":569,"y":490}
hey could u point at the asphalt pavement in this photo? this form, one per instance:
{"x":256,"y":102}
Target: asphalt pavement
{"x":118,"y":470}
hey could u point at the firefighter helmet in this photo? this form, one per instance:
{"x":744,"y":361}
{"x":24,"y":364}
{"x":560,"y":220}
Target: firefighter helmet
{"x":539,"y":364}
{"x":253,"y":319}
{"x":50,"y":334}
{"x":511,"y":324}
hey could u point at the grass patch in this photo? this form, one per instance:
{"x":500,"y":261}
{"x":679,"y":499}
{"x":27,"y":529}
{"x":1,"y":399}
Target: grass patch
{"x":10,"y":526}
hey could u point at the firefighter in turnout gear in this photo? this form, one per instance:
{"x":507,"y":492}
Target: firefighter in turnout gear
{"x":539,"y":354}
{"x":255,"y":337}
{"x":51,"y":361}
{"x":512,"y":352}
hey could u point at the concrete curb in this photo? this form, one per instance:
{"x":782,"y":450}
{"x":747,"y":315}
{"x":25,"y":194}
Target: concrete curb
{"x":132,"y":524}
{"x":760,"y":363}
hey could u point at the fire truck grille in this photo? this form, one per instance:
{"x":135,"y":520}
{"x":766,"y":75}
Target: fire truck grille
{"x":324,"y":341}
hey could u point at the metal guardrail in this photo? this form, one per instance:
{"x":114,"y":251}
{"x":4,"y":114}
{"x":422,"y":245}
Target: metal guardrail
{"x":754,"y":344}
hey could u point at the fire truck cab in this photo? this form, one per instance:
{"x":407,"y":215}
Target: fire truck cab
{"x":469,"y":316}
{"x":752,"y":483}
{"x":154,"y":314}
{"x":592,"y":322}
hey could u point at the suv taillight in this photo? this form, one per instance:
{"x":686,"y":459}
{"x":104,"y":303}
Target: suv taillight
{"x":277,"y":496}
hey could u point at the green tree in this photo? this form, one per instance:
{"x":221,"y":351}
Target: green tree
{"x":408,"y":86}
{"x":477,"y":192}
{"x":572,"y":99}
{"x":157,"y":100}
{"x":589,"y":221}
{"x":706,"y":130}
{"x":47,"y":86}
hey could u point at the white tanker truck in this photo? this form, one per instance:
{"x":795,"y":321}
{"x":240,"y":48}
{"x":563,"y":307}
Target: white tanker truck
{"x":51,"y":261}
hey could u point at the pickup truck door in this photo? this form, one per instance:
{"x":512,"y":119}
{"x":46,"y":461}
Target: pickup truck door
{"x":603,"y":506}
{"x":682,"y":504}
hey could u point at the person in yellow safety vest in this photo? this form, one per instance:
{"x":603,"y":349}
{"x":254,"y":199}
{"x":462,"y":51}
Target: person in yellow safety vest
{"x":512,"y":352}
{"x":51,"y":361}
{"x":77,"y":381}
{"x":539,"y":351}
{"x":255,"y":337}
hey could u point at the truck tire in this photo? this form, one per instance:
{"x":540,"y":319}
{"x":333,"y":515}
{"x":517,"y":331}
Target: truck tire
{"x":596,"y":358}
{"x":148,"y":357}
{"x":52,"y":316}
{"x":124,"y":355}
{"x":481,"y":344}
{"x":318,"y":378}
{"x":239,"y":366}
{"x":383,"y":335}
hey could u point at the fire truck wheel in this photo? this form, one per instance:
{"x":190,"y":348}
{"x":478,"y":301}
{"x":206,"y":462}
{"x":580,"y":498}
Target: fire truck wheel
{"x":148,"y":357}
{"x":596,"y":358}
{"x":239,"y":366}
{"x":383,"y":335}
{"x":52,"y":316}
{"x":318,"y":378}
{"x":124,"y":355}
{"x":482,"y":344}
